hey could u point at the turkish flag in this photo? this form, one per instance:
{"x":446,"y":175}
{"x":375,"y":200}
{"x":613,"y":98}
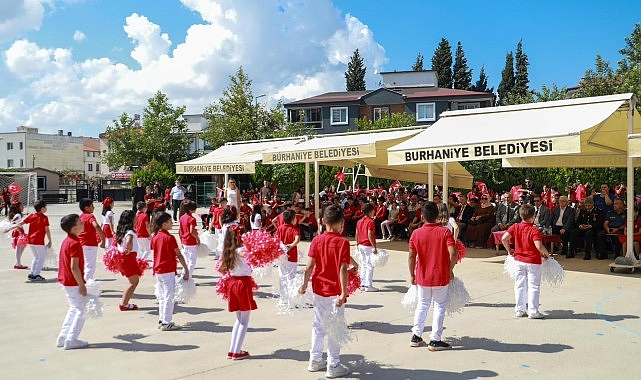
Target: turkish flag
{"x":482,"y":187}
{"x":14,"y":188}
{"x":396,"y":185}
{"x":340,"y":176}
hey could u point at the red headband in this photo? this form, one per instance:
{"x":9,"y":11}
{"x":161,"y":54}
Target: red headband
{"x":107,"y":201}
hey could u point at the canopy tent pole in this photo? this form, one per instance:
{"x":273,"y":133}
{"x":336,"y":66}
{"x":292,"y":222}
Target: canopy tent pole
{"x":629,"y":221}
{"x":307,"y":185}
{"x":316,"y":192}
{"x":446,"y":192}
{"x":430,"y":180}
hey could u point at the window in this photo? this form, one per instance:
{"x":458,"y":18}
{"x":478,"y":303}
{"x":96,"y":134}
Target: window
{"x":9,"y":146}
{"x":469,"y":106}
{"x":21,"y":145}
{"x":42,"y":183}
{"x":309,"y":117}
{"x":338,"y":115}
{"x":22,"y":163}
{"x":425,"y":112}
{"x":9,"y":163}
{"x":90,"y":167}
{"x":97,"y":167}
{"x":380,"y":112}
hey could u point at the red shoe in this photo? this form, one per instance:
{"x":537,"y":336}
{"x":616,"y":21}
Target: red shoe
{"x":20,"y":267}
{"x":230,"y":355}
{"x":240,"y":356}
{"x":128,"y":307}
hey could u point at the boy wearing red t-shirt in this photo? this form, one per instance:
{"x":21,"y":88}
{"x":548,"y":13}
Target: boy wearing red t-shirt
{"x":88,"y":237}
{"x":141,"y":226}
{"x":70,"y":276}
{"x":38,"y":228}
{"x":165,"y":248}
{"x":431,"y":261}
{"x":327,"y":267}
{"x":288,"y":235}
{"x":527,"y":252}
{"x":217,"y":226}
{"x":189,"y":235}
{"x":366,"y":245}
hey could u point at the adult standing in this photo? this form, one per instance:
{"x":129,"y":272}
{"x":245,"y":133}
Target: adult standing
{"x":137,"y":194}
{"x":432,"y":257}
{"x":528,"y":190}
{"x":6,"y":200}
{"x":266,"y":191}
{"x":604,"y":200}
{"x":232,"y":193}
{"x":177,"y":194}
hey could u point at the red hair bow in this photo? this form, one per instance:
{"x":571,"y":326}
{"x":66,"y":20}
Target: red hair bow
{"x":107,"y":201}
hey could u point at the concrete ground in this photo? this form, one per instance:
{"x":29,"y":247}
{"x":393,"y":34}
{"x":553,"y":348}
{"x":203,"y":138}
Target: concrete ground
{"x":592,"y":329}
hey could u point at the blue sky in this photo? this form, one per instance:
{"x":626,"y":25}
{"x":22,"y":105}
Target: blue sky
{"x":77,"y":64}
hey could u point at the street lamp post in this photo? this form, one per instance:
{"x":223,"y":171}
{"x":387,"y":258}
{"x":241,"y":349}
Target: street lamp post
{"x":256,"y":99}
{"x":33,"y":161}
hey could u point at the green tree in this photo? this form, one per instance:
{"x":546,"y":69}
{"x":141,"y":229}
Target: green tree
{"x":236,"y":116}
{"x":395,"y":120}
{"x":632,"y":51}
{"x":442,"y":63}
{"x":355,"y":74}
{"x":548,"y":94}
{"x":133,"y":144}
{"x":481,"y":83}
{"x":418,"y":64}
{"x":154,"y":172}
{"x":462,"y":73}
{"x":521,"y":78}
{"x":507,"y":78}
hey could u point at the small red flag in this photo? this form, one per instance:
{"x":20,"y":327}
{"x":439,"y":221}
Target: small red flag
{"x":340,"y":176}
{"x":14,"y":188}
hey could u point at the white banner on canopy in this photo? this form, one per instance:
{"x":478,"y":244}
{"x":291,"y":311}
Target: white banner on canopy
{"x":490,"y":150}
{"x":321,"y":154}
{"x":634,"y":145}
{"x":238,"y":168}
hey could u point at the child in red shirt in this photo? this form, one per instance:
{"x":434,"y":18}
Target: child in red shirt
{"x":217,"y":226}
{"x":88,"y":237}
{"x":189,"y":235}
{"x":527,"y":252}
{"x":70,"y":276}
{"x":166,"y":252}
{"x":288,"y":235}
{"x":431,"y":261}
{"x":366,"y":245}
{"x":327,"y":266}
{"x":38,"y":228}
{"x":142,"y":228}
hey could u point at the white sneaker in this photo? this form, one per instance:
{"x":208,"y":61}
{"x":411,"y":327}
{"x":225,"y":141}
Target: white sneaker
{"x":169,"y":327}
{"x":60,"y":342}
{"x":316,"y":365}
{"x":339,"y":371}
{"x":536,"y":315}
{"x":520,"y":314}
{"x":371,"y":289}
{"x":74,"y":344}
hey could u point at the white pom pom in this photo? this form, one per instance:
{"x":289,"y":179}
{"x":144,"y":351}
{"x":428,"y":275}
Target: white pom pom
{"x":5,"y":224}
{"x":202,"y":251}
{"x":185,"y":290}
{"x":261,"y":273}
{"x":51,"y":260}
{"x":93,"y":287}
{"x":380,"y":259}
{"x":410,"y":299}
{"x":458,"y":296}
{"x":93,"y":306}
{"x":336,"y":327}
{"x":509,"y":266}
{"x":290,"y":300}
{"x":208,"y":239}
{"x":552,"y":272}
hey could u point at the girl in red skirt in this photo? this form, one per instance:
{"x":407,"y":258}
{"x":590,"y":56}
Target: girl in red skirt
{"x":128,"y":247}
{"x":108,"y":221}
{"x":239,"y":291}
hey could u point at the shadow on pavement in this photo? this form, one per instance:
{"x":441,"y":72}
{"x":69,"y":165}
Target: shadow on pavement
{"x":485,"y":304}
{"x":569,"y":314}
{"x":215,"y":327}
{"x":384,"y":327}
{"x":471,"y":343}
{"x":363,"y":369}
{"x":362,"y":307}
{"x":132,"y":344}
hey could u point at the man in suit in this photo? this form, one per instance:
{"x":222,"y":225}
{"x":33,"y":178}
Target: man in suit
{"x":507,"y":213}
{"x":562,"y":222}
{"x":462,"y":215}
{"x":589,"y":223}
{"x":541,"y":213}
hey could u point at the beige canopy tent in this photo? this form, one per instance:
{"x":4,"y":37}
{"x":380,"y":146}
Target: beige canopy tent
{"x":585,"y":132}
{"x":234,"y":157}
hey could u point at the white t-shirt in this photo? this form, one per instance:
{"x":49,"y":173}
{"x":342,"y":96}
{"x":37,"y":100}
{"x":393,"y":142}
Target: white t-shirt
{"x":134,"y":241}
{"x":232,"y":199}
{"x":256,"y":223}
{"x":241,"y":268}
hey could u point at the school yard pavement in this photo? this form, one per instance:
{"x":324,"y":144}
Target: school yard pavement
{"x":592,"y":329}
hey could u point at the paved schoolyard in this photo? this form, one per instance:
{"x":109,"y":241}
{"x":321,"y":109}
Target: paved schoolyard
{"x":592,"y":330}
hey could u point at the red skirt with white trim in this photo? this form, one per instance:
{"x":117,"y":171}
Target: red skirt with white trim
{"x":130,"y":265}
{"x":240,"y":293}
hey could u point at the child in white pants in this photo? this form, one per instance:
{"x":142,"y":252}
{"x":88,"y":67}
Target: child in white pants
{"x":366,"y":244}
{"x":289,"y":235}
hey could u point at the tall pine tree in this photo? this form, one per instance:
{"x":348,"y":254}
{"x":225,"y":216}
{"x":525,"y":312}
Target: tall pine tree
{"x":521,"y":79}
{"x":355,"y":74}
{"x":481,"y":83}
{"x":462,"y":73}
{"x":507,"y":78}
{"x":442,"y":63}
{"x":418,"y":65}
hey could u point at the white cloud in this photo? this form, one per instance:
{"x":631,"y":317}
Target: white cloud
{"x":79,"y":36}
{"x":290,"y":50}
{"x":19,"y":16}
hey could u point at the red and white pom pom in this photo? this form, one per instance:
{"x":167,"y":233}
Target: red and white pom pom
{"x":552,"y":272}
{"x":4,"y":227}
{"x":509,"y":266}
{"x":353,"y":282}
{"x":261,"y":248}
{"x":460,"y":250}
{"x":142,"y":264}
{"x":458,"y":296}
{"x":222,"y":286}
{"x":208,"y":239}
{"x":185,"y":290}
{"x":93,"y":306}
{"x":336,"y":327}
{"x":22,"y":240}
{"x":380,"y":258}
{"x":113,"y":260}
{"x":410,"y":299}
